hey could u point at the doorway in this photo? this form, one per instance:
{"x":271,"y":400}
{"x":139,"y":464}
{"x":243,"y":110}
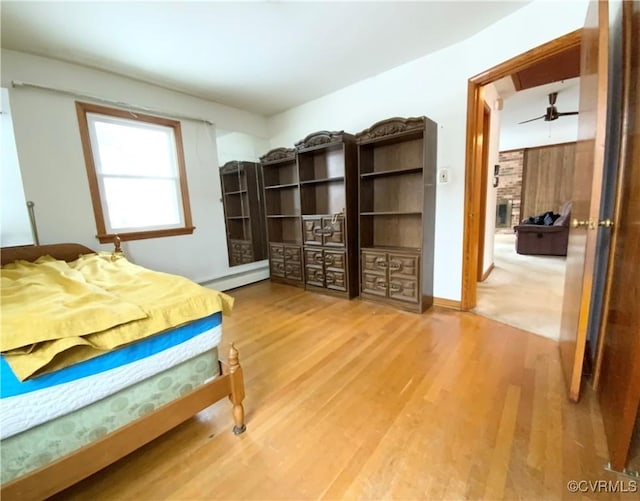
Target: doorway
{"x":474,"y":220}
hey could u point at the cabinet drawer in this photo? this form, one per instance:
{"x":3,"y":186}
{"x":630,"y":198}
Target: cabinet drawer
{"x":314,"y":276}
{"x":292,"y":254}
{"x":293,"y":271}
{"x":403,"y":266}
{"x":373,"y":283}
{"x":403,"y":289}
{"x":335,"y":280}
{"x":247,"y":249}
{"x":277,"y":268}
{"x":313,"y":257}
{"x":374,"y":262}
{"x":334,"y":260}
{"x":333,"y":231}
{"x":312,"y":231}
{"x":276,"y":251}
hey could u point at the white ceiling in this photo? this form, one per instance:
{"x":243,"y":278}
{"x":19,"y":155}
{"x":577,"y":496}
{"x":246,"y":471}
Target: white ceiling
{"x":260,"y":56}
{"x":532,"y":103}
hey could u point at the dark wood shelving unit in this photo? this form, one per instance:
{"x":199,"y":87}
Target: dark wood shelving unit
{"x":397,"y":175}
{"x":244,"y":212}
{"x":327,"y":167}
{"x":283,"y":216}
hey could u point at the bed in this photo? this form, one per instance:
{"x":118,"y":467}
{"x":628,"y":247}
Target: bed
{"x":61,"y":424}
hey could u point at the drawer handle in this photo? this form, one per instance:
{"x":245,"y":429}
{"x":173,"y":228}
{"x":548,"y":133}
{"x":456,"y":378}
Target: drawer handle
{"x":319,"y":275}
{"x":317,"y":231}
{"x":381,"y":283}
{"x":381,"y":263}
{"x":329,"y":260}
{"x":327,"y":231}
{"x":331,"y":278}
{"x":318,"y":258}
{"x":393,"y":287}
{"x":395,"y":266}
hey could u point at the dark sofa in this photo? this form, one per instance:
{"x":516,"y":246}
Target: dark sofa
{"x":536,"y":239}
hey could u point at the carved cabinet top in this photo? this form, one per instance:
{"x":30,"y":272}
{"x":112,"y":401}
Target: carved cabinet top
{"x":391,"y":126}
{"x":279,"y":154}
{"x":321,"y":137}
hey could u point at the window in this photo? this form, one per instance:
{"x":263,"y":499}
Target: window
{"x":137,"y":179}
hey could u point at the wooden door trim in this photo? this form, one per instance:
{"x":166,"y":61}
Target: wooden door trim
{"x":473,"y":162}
{"x":484,"y":186}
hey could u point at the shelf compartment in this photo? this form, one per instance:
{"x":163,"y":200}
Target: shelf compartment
{"x":396,"y":194}
{"x":325,"y":180}
{"x":239,"y":228}
{"x":237,"y":206}
{"x":324,"y":198}
{"x":391,"y":213}
{"x":281,"y":186}
{"x":396,"y":155}
{"x":275,"y":216}
{"x":285,"y":230}
{"x":279,"y":174}
{"x":391,"y":172}
{"x":234,"y":181}
{"x":282,"y":201}
{"x":391,"y":231}
{"x":325,"y":163}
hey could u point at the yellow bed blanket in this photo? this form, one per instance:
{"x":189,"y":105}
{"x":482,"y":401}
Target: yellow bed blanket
{"x":55,"y":314}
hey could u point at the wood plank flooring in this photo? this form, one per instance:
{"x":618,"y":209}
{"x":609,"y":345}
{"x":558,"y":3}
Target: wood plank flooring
{"x":351,"y":399}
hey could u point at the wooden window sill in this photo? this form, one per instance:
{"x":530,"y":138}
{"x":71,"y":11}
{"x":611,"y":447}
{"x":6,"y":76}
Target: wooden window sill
{"x":141,"y":235}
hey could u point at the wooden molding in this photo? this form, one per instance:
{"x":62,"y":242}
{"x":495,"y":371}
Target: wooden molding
{"x":486,"y":274}
{"x":473,"y":162}
{"x":81,"y":110}
{"x":391,"y":127}
{"x":323,"y":137}
{"x":107,"y":238}
{"x":452,"y":304}
{"x":278,"y":154}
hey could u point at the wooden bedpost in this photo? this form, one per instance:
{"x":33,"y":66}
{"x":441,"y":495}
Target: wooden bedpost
{"x":237,"y":391}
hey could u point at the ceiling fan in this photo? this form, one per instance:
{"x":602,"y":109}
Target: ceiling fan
{"x":552,"y":112}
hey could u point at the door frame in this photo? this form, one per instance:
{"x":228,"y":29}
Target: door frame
{"x":473,"y":212}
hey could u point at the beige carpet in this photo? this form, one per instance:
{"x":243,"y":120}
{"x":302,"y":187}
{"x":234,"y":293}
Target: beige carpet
{"x":523,"y":291}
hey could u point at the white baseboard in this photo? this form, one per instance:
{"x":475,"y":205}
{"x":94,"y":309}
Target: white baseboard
{"x":237,"y":279}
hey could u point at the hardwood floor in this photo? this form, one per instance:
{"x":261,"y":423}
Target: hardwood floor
{"x":351,"y":399}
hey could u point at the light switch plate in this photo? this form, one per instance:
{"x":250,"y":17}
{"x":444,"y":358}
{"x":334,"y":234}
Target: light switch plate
{"x":443,"y":176}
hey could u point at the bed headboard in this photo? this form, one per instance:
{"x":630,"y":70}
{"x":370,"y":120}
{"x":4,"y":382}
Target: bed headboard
{"x":65,"y":252}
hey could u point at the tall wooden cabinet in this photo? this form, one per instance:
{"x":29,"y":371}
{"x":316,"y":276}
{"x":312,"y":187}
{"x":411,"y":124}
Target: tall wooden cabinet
{"x":397,"y":176}
{"x":327,"y":170}
{"x":283,"y":216}
{"x":243,"y":211}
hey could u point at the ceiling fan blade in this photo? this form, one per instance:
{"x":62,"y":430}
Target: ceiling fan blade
{"x":532,"y":119}
{"x":567,"y":113}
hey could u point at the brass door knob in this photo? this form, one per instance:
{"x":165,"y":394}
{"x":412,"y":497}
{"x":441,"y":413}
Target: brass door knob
{"x":606,"y":223}
{"x":577,"y":223}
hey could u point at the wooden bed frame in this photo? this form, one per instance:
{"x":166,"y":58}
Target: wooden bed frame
{"x":70,"y":469}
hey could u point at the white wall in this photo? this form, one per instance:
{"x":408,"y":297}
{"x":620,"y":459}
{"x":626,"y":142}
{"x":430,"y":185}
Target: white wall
{"x":15,"y":228}
{"x":490,"y":97}
{"x":54,"y":175}
{"x":436,"y":86}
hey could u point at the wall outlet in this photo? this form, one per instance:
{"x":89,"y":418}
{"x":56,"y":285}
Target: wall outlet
{"x":443,"y":176}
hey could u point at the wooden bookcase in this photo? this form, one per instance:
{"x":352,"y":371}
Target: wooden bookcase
{"x":243,"y":211}
{"x":397,"y":194}
{"x":283,"y":216}
{"x":327,"y":169}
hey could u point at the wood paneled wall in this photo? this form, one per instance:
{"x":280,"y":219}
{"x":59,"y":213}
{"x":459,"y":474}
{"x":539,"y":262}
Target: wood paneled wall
{"x":547,"y":179}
